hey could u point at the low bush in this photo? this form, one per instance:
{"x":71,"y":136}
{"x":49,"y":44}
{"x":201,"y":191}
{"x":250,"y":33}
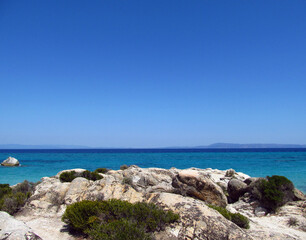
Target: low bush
{"x":119,"y":230}
{"x":69,"y":176}
{"x":236,"y":218}
{"x":94,"y":176}
{"x":275,"y":191}
{"x":127,"y":180}
{"x":4,"y":189}
{"x":12,"y":199}
{"x":13,"y":202}
{"x":101,"y":170}
{"x":116,"y":219}
{"x":240,"y":220}
{"x":292,"y":221}
{"x":24,"y":187}
{"x":225,"y":213}
{"x":77,"y":215}
{"x":124,"y":166}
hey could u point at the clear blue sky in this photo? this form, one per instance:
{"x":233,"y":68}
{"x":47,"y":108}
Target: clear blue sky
{"x":152,"y":73}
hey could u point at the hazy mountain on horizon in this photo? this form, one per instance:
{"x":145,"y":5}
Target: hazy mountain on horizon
{"x":214,"y":145}
{"x":22,"y":146}
{"x":253,"y":145}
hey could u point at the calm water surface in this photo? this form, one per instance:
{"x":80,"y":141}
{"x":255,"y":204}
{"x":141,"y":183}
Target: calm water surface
{"x":254,"y":162}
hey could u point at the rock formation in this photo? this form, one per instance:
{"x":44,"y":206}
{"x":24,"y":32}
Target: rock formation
{"x":236,"y":189}
{"x":186,"y":192}
{"x":12,"y":229}
{"x":191,"y":183}
{"x":10,"y":162}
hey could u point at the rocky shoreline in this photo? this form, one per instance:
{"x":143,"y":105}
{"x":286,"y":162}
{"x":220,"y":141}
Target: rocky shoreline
{"x":188,"y":192}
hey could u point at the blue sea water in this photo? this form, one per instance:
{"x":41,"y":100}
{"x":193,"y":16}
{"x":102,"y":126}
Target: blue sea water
{"x":254,"y":162}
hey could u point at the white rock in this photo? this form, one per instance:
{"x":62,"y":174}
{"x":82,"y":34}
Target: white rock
{"x":260,"y":212}
{"x":12,"y":229}
{"x":10,"y":162}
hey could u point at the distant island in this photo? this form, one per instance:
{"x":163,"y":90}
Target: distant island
{"x":252,"y":145}
{"x":21,"y":146}
{"x":211,"y":146}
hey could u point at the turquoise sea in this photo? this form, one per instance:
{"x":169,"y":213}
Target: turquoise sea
{"x":254,"y":162}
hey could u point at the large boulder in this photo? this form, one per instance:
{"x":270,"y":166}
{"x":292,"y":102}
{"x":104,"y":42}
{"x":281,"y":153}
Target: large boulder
{"x":197,"y":220}
{"x":298,"y":195}
{"x":149,"y":179}
{"x":194,"y":184}
{"x":236,"y":189}
{"x":10,"y":162}
{"x":12,"y":229}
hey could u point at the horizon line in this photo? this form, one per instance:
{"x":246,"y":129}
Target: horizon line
{"x":210,"y":146}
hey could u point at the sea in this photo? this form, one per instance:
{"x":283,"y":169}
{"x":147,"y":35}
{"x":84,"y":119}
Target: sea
{"x":36,"y":164}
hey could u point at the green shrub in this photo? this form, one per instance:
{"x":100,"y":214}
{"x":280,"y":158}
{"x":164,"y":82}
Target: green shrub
{"x":225,"y":213}
{"x":24,"y":187}
{"x":77,"y":215}
{"x":9,"y":205}
{"x":13,"y":202}
{"x":153,"y":217}
{"x":127,"y":180}
{"x":4,"y":189}
{"x":67,"y":176}
{"x":124,"y":166}
{"x":95,"y":176}
{"x":274,"y":191}
{"x":119,"y":230}
{"x":101,"y":170}
{"x":236,"y":218}
{"x":91,"y":175}
{"x":116,"y":219}
{"x":240,"y":220}
{"x":1,"y":204}
{"x":12,"y":199}
{"x":86,"y":174}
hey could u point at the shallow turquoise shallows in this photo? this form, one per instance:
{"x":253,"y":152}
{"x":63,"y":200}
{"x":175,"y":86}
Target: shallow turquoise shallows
{"x":254,"y":162}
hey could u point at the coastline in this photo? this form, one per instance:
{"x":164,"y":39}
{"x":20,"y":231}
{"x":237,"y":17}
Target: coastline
{"x":175,"y":189}
{"x":256,"y":163}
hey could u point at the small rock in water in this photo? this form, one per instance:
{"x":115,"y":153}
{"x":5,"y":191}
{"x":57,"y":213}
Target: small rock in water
{"x":10,"y":162}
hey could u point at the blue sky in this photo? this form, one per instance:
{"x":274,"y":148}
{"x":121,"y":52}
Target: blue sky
{"x":152,"y":73}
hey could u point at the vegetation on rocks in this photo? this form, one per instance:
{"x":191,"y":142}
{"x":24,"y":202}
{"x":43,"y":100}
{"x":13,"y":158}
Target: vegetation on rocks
{"x":119,"y":229}
{"x":94,"y":176}
{"x":102,"y":170}
{"x":127,"y":180}
{"x":292,"y":221}
{"x":236,"y":218}
{"x":12,"y":199}
{"x":68,"y":176}
{"x":274,"y":191}
{"x":124,"y":166}
{"x":4,"y":189}
{"x":116,"y":219}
